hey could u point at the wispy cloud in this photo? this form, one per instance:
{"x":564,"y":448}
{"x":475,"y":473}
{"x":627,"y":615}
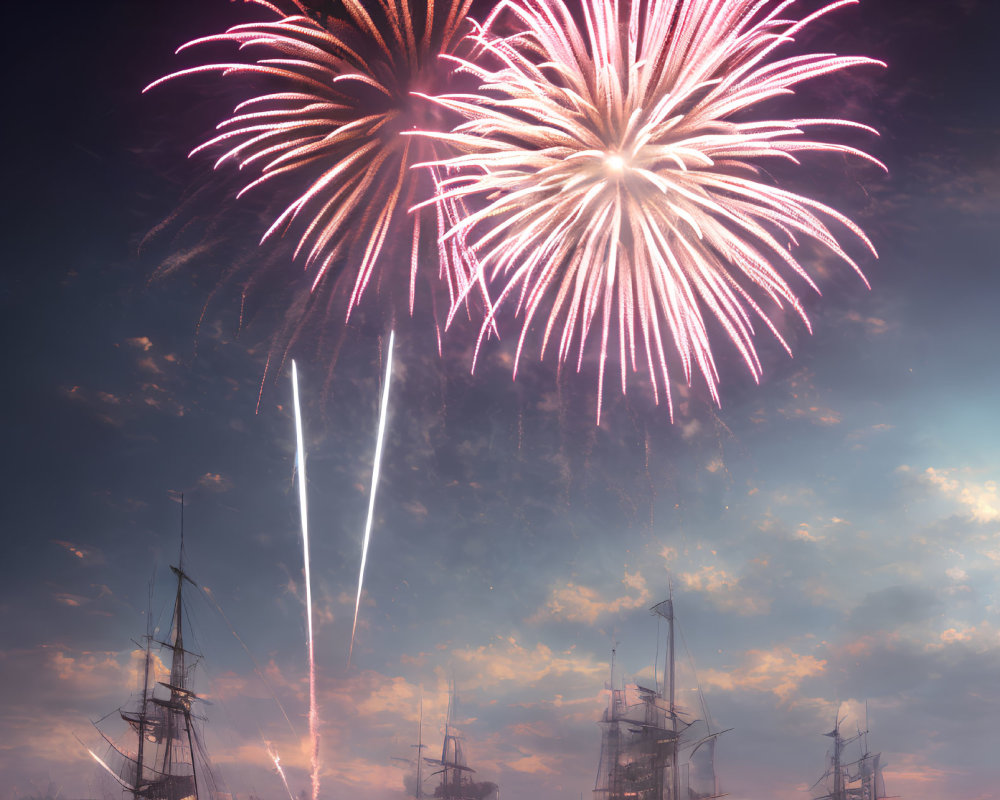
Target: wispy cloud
{"x":535,"y":764}
{"x":85,"y":554}
{"x":874,"y":326}
{"x":804,"y":402}
{"x":507,"y":660}
{"x":724,"y":590}
{"x":980,"y":499}
{"x":575,"y":603}
{"x":779,"y":671}
{"x":215,"y":482}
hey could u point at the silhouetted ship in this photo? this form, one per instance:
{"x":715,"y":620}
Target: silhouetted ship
{"x":650,"y":748}
{"x":163,"y":757}
{"x":850,"y":778}
{"x":454,"y":776}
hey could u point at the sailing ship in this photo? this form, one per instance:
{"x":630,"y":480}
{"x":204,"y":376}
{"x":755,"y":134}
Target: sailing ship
{"x":455,"y":781}
{"x":850,"y":779}
{"x":651,"y":749}
{"x":165,"y":758}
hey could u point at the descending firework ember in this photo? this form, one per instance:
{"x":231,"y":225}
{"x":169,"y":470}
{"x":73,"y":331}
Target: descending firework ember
{"x":336,"y":90}
{"x":279,"y":769}
{"x":376,"y":469}
{"x":618,"y":175}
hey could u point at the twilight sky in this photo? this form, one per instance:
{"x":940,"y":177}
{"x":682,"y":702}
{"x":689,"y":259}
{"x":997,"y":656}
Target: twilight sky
{"x":832,"y":535}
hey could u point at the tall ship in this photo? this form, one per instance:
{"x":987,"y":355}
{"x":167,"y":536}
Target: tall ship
{"x":161,"y":755}
{"x":850,"y":777}
{"x":451,"y":773}
{"x":651,"y":749}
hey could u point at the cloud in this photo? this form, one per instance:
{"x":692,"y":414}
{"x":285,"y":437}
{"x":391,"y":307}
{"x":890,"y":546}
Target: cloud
{"x":779,"y":671}
{"x":72,"y":600}
{"x":506,"y":660}
{"x":804,"y":403}
{"x":534,"y":764}
{"x":982,"y":500}
{"x":54,"y":673}
{"x":970,"y":188}
{"x":690,"y":429}
{"x":141,"y":342}
{"x":954,"y":635}
{"x":819,"y":415}
{"x":85,"y":554}
{"x":887,"y":609}
{"x":150,"y":365}
{"x":215,"y":482}
{"x":724,"y":590}
{"x":911,"y":768}
{"x":575,"y":603}
{"x":416,"y":508}
{"x":395,"y":696}
{"x":120,"y":409}
{"x":873,"y":325}
{"x":946,"y":671}
{"x":90,"y":673}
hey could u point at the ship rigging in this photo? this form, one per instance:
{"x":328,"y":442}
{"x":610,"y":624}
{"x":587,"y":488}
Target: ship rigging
{"x":164,"y":758}
{"x":850,"y":778}
{"x":650,"y":748}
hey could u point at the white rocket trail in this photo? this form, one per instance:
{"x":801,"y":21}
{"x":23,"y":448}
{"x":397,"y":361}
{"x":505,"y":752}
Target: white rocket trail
{"x":371,"y":498}
{"x":303,"y":512}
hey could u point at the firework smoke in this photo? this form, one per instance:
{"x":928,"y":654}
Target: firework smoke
{"x":617,"y":176}
{"x":376,"y":468}
{"x":304,"y":516}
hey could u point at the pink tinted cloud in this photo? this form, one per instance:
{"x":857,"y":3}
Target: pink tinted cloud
{"x":575,"y":603}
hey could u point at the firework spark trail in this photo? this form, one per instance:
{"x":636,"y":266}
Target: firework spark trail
{"x":303,"y":513}
{"x":615,"y":173}
{"x":281,"y":770}
{"x":371,"y":499}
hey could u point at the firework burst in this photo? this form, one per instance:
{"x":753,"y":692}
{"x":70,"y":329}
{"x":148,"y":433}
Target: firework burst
{"x":336,"y":91}
{"x":619,"y":176}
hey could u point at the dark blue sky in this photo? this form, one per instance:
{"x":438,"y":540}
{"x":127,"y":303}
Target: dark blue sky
{"x":832,"y":535}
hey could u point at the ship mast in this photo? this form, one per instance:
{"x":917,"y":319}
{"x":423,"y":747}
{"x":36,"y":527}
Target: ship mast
{"x":666,"y":610}
{"x":648,"y":750}
{"x":180,"y":695}
{"x":838,"y":774}
{"x":420,"y":748}
{"x":141,"y":721}
{"x":163,"y":765}
{"x":179,"y":704}
{"x":454,"y":771}
{"x":847,"y":778}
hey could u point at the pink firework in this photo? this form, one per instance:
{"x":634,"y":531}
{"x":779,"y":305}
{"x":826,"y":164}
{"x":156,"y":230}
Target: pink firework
{"x":333,"y":93}
{"x":618,"y":175}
